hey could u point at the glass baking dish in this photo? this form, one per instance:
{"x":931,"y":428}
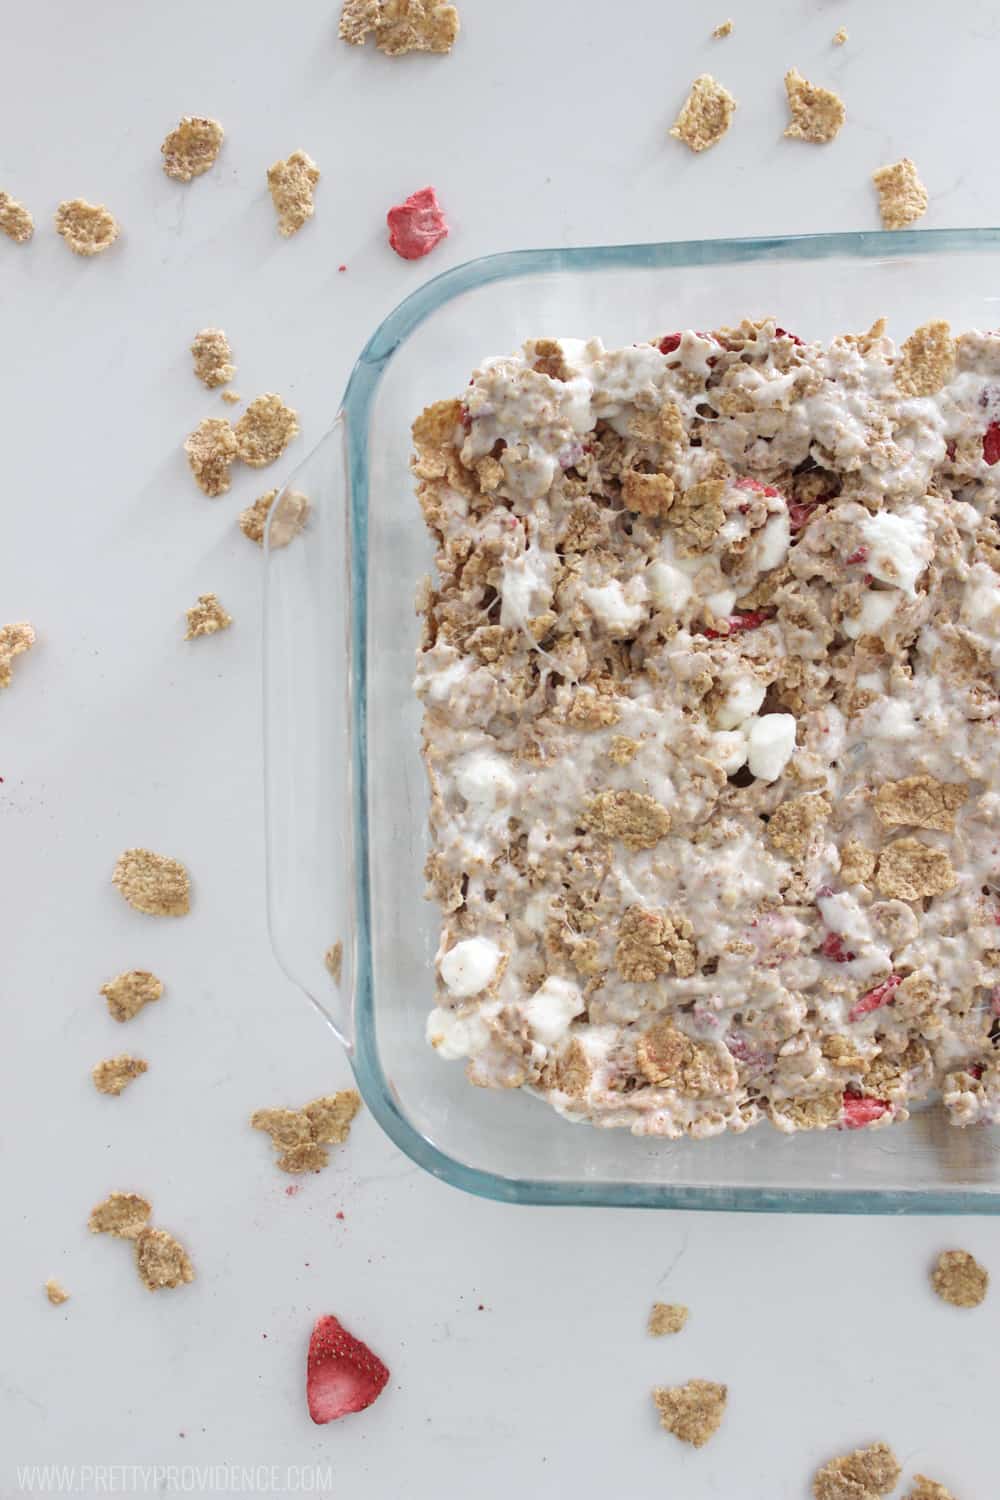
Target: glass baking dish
{"x":346,"y":790}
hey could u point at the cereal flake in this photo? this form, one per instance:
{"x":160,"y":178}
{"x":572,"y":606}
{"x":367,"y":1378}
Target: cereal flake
{"x":15,"y":220}
{"x":13,"y":640}
{"x":334,"y":960}
{"x":724,"y":28}
{"x":307,"y":1156}
{"x":864,"y":1474}
{"x":666,"y":1317}
{"x":793,"y":824}
{"x":300,"y":1136}
{"x":958,"y":1278}
{"x":87,"y":228}
{"x":911,"y":870}
{"x":289,"y":518}
{"x":153,"y":883}
{"x":928,"y":360}
{"x":902,"y":197}
{"x":647,"y":494}
{"x":122,"y":1214}
{"x":927,"y":1489}
{"x":192,"y":148}
{"x":706,"y":114}
{"x":857,"y":863}
{"x":206,"y":617}
{"x":920,"y":802}
{"x":692,"y":1412}
{"x":651,"y":943}
{"x":330,"y":1116}
{"x":639,"y":821}
{"x":161,"y":1260}
{"x":210,"y":450}
{"x":817,"y":113}
{"x":116,"y":1073}
{"x":128,"y":993}
{"x":231,"y":398}
{"x":695,"y":1069}
{"x":264,"y":430}
{"x":213,"y":358}
{"x":698,"y":516}
{"x":291,"y":183}
{"x":400,"y":26}
{"x":56,"y":1293}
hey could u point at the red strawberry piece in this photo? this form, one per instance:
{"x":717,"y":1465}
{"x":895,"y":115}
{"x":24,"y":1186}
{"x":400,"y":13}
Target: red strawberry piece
{"x":879,"y":996}
{"x":799,"y":514}
{"x":669,"y":343}
{"x":832,"y":947}
{"x":417,"y":225}
{"x":748,"y":619}
{"x":746,"y":483}
{"x":951,"y":448}
{"x":859,"y":555}
{"x":859,"y":1112}
{"x":976,"y":1070}
{"x":342,"y":1373}
{"x":782,"y":333}
{"x":991,"y":443}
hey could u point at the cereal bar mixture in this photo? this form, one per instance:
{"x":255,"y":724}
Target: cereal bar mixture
{"x":710,"y":675}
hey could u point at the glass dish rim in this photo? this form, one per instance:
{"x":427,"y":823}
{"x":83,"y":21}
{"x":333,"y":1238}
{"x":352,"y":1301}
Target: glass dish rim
{"x":355,"y":412}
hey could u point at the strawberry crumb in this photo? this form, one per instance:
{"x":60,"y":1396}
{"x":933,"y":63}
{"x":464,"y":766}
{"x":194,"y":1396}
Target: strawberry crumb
{"x":782,"y":333}
{"x":833,"y":948}
{"x":340,"y":1213}
{"x":417,"y":225}
{"x":341,"y":268}
{"x":748,"y":619}
{"x":292,"y":1189}
{"x":859,"y":1112}
{"x":875,"y":998}
{"x":746,"y":483}
{"x":859,"y":555}
{"x":799,"y":514}
{"x":991,"y":443}
{"x":342,"y":1373}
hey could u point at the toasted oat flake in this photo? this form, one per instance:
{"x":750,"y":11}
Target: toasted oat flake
{"x":161,"y":1260}
{"x":206,"y":617}
{"x":288,"y":520}
{"x":153,"y":883}
{"x":666,"y":1317}
{"x":400,"y":26}
{"x":87,"y":228}
{"x":300,"y":1136}
{"x":928,"y":360}
{"x":334,"y":960}
{"x":958,"y":1278}
{"x":213,"y":358}
{"x":122,"y":1214}
{"x":902,"y":197}
{"x":927,"y":1489}
{"x":56,"y":1294}
{"x":864,"y":1474}
{"x":920,"y":802}
{"x":693,"y":1411}
{"x":128,"y":993}
{"x":840,"y":36}
{"x":639,"y":821}
{"x":116,"y":1073}
{"x":706,"y":114}
{"x":911,"y":869}
{"x":210,"y":450}
{"x":816,"y":113}
{"x":724,"y":28}
{"x":15,"y":220}
{"x":13,"y":640}
{"x":264,"y":430}
{"x":291,"y":183}
{"x":192,"y":147}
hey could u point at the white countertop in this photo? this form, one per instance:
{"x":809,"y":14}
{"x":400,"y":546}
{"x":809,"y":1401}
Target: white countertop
{"x":547,"y":126}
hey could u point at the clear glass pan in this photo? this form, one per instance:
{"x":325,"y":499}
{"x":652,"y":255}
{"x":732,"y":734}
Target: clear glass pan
{"x":346,"y":789}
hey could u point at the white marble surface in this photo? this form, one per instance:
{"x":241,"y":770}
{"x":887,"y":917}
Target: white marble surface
{"x":546,"y":126}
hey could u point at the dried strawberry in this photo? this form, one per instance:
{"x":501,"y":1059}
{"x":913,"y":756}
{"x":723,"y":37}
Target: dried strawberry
{"x":991,"y":443}
{"x":976,"y":1070}
{"x":747,"y":619}
{"x":417,"y":225}
{"x":951,"y":448}
{"x":342,"y":1373}
{"x":800,"y":513}
{"x":746,"y":483}
{"x":859,"y":555}
{"x":669,"y":343}
{"x":782,"y":333}
{"x":832,"y":947}
{"x":859,"y":1112}
{"x":875,"y":998}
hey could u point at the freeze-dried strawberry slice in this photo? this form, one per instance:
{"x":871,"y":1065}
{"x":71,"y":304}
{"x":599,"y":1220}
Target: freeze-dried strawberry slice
{"x":417,"y":225}
{"x":859,"y":1112}
{"x":747,"y":619}
{"x":799,"y":513}
{"x":880,"y":995}
{"x":991,"y":443}
{"x":832,"y":947}
{"x":782,"y":333}
{"x":859,"y":555}
{"x":669,"y":343}
{"x":342,"y":1373}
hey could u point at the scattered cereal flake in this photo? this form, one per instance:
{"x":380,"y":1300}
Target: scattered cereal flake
{"x":87,"y":228}
{"x":213,"y":358}
{"x":128,"y":993}
{"x":122,"y":1214}
{"x":639,"y":821}
{"x":920,"y":802}
{"x":13,"y":640}
{"x":666,"y":1317}
{"x":647,"y":494}
{"x":56,"y":1293}
{"x":288,"y":520}
{"x":301,"y":1135}
{"x":696,"y":1070}
{"x":692,"y":1412}
{"x":902,"y":197}
{"x":706,"y":114}
{"x":862,"y":1475}
{"x":265,"y":430}
{"x":793,"y":824}
{"x":651,"y":943}
{"x":192,"y":148}
{"x":416,"y":225}
{"x":232,"y":398}
{"x":928,"y":360}
{"x":161,"y":1260}
{"x":206,"y":617}
{"x":927,"y":1489}
{"x":817,"y":113}
{"x":116,"y":1073}
{"x":334,"y":960}
{"x":400,"y":25}
{"x":15,"y":220}
{"x":330,"y":1116}
{"x":286,"y":1127}
{"x":153,"y":883}
{"x":840,"y":36}
{"x":291,"y":183}
{"x":911,"y":869}
{"x":210,"y":450}
{"x":724,"y":28}
{"x":958,"y":1278}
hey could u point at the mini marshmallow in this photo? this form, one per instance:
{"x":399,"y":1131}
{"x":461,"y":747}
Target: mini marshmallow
{"x":468,"y":967}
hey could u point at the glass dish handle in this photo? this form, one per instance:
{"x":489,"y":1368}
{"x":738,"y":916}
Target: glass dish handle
{"x":307,"y":732}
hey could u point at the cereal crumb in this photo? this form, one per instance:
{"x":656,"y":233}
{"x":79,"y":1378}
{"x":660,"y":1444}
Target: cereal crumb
{"x":958,"y":1278}
{"x":289,"y":518}
{"x":911,"y":869}
{"x":927,"y":1489}
{"x":116,"y":1073}
{"x":210,"y":450}
{"x":291,"y":184}
{"x":15,"y":220}
{"x":87,"y":228}
{"x":400,"y":26}
{"x":265,"y":430}
{"x":13,"y":640}
{"x":928,"y":360}
{"x":902,"y":197}
{"x":192,"y":148}
{"x":300,"y":1135}
{"x":122,"y":1214}
{"x":920,"y":802}
{"x":161,"y":1260}
{"x":817,"y":113}
{"x":840,"y":36}
{"x":639,"y":821}
{"x":857,"y":864}
{"x":692,"y":1412}
{"x":651,"y":943}
{"x":128,"y":993}
{"x":725,"y":28}
{"x":862,"y":1475}
{"x":56,"y":1294}
{"x":232,"y":398}
{"x":334,"y":960}
{"x":206,"y":617}
{"x":666,"y":1317}
{"x":153,"y":883}
{"x":706,"y":114}
{"x":213,"y":358}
